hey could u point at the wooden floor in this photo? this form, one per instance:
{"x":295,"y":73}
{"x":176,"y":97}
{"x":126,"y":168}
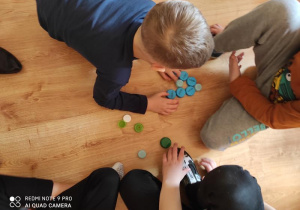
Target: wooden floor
{"x":50,"y":126}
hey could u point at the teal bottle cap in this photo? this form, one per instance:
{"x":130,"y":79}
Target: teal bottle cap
{"x":142,"y":154}
{"x":198,"y":87}
{"x":179,"y":83}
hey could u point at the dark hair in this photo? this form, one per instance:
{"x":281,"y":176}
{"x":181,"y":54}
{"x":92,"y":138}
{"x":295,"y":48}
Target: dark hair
{"x":227,"y":187}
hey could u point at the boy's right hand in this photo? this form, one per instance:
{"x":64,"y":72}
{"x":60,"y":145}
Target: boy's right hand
{"x":160,"y":104}
{"x":216,"y":29}
{"x":172,"y":169}
{"x":169,"y":75}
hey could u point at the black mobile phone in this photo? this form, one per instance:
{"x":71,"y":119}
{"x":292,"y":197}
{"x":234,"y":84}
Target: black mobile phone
{"x":193,"y":175}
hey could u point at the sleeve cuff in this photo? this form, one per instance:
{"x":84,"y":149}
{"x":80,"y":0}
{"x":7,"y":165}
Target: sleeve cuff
{"x":144,"y":105}
{"x":237,"y":85}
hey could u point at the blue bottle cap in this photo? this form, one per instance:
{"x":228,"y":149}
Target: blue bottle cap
{"x":190,"y":90}
{"x":183,"y":75}
{"x":180,"y":92}
{"x":172,"y":94}
{"x":191,"y":81}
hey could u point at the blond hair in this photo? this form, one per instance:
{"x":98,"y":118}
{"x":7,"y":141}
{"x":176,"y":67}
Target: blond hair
{"x":175,"y":34}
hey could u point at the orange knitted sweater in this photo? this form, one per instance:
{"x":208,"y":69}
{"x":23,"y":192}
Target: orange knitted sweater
{"x":279,"y":115}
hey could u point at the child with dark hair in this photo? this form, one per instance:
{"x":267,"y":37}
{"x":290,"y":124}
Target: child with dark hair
{"x":224,"y":187}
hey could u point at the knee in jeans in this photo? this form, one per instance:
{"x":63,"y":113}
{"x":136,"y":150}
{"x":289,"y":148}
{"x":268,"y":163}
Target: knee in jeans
{"x":109,"y":175}
{"x":132,"y":179}
{"x":213,"y":140}
{"x":133,"y":176}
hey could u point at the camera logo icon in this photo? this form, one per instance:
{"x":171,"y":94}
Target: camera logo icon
{"x":15,"y":201}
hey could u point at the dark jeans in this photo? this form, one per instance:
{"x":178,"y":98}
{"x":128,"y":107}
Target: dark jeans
{"x":98,"y":191}
{"x":140,"y":190}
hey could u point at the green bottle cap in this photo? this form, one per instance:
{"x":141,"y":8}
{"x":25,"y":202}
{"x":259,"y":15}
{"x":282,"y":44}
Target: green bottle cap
{"x":122,"y":124}
{"x":165,"y":142}
{"x":138,"y":127}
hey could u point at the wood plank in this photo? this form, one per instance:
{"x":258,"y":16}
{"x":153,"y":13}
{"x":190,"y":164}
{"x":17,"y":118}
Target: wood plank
{"x":52,"y":128}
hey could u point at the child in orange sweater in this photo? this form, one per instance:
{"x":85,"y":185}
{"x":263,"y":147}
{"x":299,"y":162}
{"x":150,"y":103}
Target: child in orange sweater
{"x":282,"y":109}
{"x":272,"y":100}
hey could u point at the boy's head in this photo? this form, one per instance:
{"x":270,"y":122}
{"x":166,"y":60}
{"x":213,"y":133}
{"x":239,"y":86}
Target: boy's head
{"x":227,"y":187}
{"x":176,"y":35}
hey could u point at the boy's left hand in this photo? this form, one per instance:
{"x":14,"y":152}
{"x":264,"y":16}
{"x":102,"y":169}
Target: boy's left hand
{"x":169,"y":74}
{"x":208,"y":164}
{"x":234,"y":67}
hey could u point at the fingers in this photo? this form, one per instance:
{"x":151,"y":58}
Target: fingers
{"x":173,"y":102}
{"x":185,"y":171}
{"x":177,"y":72}
{"x":207,"y":166}
{"x":240,"y":57}
{"x":165,"y":158}
{"x":170,"y":153}
{"x":164,"y":76}
{"x":216,"y":29}
{"x":168,"y":101}
{"x":166,"y":106}
{"x":175,"y":151}
{"x":181,"y":154}
{"x":170,"y":110}
{"x":164,"y":94}
{"x":208,"y":160}
{"x":216,"y":26}
{"x":165,"y":113}
{"x":232,"y":56}
{"x":172,"y":106}
{"x":172,"y":75}
{"x":173,"y":154}
{"x":208,"y":163}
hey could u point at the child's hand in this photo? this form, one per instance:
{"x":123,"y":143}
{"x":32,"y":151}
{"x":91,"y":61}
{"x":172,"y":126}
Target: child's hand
{"x":172,"y":166}
{"x":169,"y":74}
{"x":216,"y":29}
{"x":208,"y":164}
{"x":160,"y":104}
{"x":234,"y":67}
